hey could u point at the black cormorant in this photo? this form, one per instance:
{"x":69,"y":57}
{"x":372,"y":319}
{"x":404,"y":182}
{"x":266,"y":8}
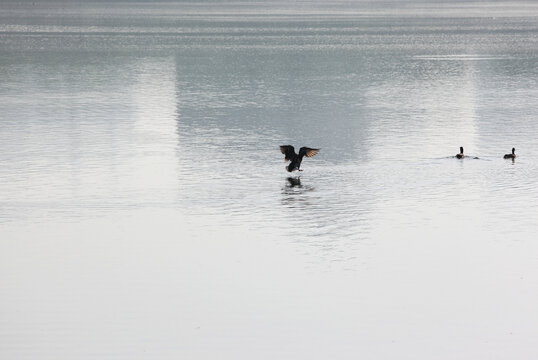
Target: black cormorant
{"x":290,"y":155}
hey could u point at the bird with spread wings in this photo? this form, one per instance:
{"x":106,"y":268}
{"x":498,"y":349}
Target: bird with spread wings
{"x":296,"y":159}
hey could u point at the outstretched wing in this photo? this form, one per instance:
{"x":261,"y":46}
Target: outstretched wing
{"x":288,"y":151}
{"x":308,"y":152}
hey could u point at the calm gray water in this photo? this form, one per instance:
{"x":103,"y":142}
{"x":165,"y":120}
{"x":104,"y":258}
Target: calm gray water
{"x":145,"y":212}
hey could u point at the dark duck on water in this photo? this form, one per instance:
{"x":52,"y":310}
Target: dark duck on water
{"x":460,"y":155}
{"x":296,"y":159}
{"x":512,"y":155}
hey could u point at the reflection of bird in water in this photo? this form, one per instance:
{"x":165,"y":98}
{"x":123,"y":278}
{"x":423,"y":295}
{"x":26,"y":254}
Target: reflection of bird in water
{"x":290,"y":155}
{"x":460,"y":155}
{"x":512,"y":155}
{"x":294,"y":181}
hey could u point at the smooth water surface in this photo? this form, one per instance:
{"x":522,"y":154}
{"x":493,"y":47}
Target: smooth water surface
{"x":146,"y":213}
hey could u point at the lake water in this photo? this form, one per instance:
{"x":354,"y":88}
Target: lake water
{"x":145,"y":212}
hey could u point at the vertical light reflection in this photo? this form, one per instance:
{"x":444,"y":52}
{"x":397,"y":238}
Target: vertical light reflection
{"x":154,"y":164}
{"x":427,"y":109}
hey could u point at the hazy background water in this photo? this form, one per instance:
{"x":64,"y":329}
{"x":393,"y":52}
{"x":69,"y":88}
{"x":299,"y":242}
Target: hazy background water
{"x":146,"y":213}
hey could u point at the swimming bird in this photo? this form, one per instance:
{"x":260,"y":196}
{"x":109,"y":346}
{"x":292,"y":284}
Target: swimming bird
{"x":290,"y":155}
{"x":512,"y":155}
{"x":460,"y":155}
